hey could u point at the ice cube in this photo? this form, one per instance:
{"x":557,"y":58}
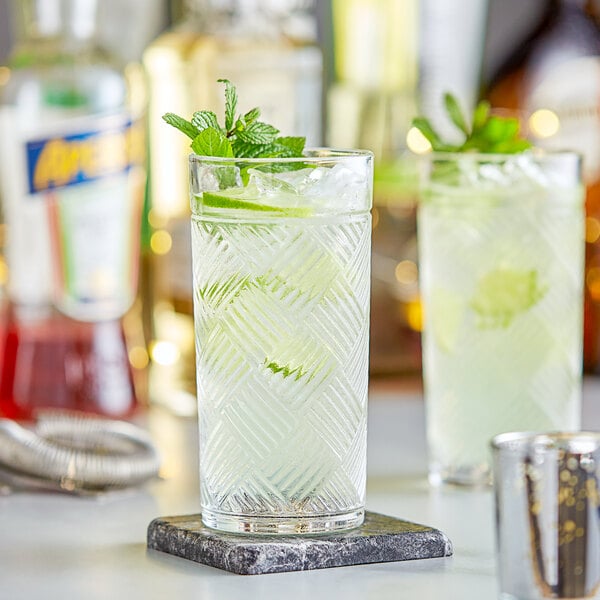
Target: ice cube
{"x":516,"y":171}
{"x":211,"y":178}
{"x":302,"y":179}
{"x":338,"y":187}
{"x":532,"y":170}
{"x":270,"y":184}
{"x":341,"y":186}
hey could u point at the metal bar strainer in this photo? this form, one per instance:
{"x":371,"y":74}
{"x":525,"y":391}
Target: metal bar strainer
{"x":75,"y":453}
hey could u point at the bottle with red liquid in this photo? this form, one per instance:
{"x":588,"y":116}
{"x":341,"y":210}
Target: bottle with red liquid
{"x":71,"y":187}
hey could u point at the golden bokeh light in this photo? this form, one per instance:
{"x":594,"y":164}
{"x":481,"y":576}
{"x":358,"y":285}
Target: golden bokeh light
{"x":414,"y":314}
{"x":592,"y":230}
{"x":164,"y":353}
{"x":138,"y":357}
{"x":161,"y":242}
{"x":417,"y":142}
{"x":544,"y":123}
{"x":156,"y":220}
{"x":592,"y":280}
{"x":406,"y":272}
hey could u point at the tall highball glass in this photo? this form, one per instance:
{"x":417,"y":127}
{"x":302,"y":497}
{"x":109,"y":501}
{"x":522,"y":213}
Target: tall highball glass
{"x":501,"y":242}
{"x":281,"y":261}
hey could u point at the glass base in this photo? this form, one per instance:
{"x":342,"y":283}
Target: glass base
{"x":471,"y":475}
{"x":285,"y":525}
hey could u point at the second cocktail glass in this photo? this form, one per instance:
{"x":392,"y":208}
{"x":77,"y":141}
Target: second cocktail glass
{"x":501,"y":242}
{"x":281,"y":259}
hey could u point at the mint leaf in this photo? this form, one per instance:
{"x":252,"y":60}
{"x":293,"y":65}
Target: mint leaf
{"x":455,"y":113}
{"x":203,"y":119}
{"x":285,"y":370}
{"x":243,"y":136}
{"x":256,"y":132}
{"x":243,"y":149}
{"x":291,"y":146}
{"x":498,"y":129}
{"x":181,"y":124}
{"x":488,"y":134}
{"x":230,"y":103}
{"x":252,"y":115}
{"x":283,"y":147}
{"x":510,"y":146}
{"x":425,"y":127}
{"x":480,"y":115}
{"x":212,"y":142}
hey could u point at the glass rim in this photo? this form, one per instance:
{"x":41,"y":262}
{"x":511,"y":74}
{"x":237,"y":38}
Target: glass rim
{"x":573,"y":441}
{"x":321,"y":153}
{"x":536,"y":153}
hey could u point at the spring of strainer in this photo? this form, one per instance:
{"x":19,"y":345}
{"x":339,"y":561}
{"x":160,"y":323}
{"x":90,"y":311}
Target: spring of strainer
{"x":75,"y":453}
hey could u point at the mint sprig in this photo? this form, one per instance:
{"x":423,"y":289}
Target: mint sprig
{"x":212,"y":142}
{"x":244,"y":136}
{"x":180,"y":123}
{"x":486,"y":133}
{"x":230,"y":102}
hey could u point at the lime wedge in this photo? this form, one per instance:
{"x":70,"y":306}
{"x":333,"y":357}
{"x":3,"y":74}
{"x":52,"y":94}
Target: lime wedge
{"x":248,"y":198}
{"x":503,"y":293}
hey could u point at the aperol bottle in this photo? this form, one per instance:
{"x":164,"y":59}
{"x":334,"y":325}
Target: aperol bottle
{"x":71,"y":189}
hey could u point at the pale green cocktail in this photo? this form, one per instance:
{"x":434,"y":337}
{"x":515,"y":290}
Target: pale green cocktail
{"x":281,"y":257}
{"x":501,"y":241}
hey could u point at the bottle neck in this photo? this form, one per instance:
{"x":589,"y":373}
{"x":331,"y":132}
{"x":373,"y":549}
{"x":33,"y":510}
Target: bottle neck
{"x":252,"y":18}
{"x":564,"y":9}
{"x":587,"y":6}
{"x":73,"y":21}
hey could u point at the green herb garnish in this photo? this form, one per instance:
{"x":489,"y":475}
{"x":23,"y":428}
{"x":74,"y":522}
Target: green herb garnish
{"x":285,"y":370}
{"x":487,"y":133}
{"x":241,"y":137}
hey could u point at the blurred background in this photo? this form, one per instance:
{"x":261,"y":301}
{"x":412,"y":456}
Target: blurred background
{"x":508,"y":24}
{"x":346,"y":73}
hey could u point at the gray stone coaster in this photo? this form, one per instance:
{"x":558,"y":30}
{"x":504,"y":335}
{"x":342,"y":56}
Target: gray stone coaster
{"x":378,"y":539}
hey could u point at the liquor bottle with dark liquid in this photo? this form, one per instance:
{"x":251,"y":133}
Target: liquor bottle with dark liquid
{"x":71,"y":186}
{"x":553,"y":80}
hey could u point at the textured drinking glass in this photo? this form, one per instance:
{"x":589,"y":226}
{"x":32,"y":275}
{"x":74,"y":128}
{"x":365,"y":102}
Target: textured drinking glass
{"x":501,"y":243}
{"x":548,"y":515}
{"x":281,"y":260}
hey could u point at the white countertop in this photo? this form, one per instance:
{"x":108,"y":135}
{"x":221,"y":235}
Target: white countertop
{"x":55,"y":546}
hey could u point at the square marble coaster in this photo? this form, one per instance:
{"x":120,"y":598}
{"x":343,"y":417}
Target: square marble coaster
{"x":379,"y":539}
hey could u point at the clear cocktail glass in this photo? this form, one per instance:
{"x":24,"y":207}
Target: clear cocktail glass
{"x":281,"y":260}
{"x":501,"y":242}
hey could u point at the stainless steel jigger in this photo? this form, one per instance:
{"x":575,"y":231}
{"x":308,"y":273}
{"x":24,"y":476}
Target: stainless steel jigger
{"x":548,"y":514}
{"x":75,"y":453}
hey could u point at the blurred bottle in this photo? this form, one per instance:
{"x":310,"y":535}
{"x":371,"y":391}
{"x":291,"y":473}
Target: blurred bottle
{"x":71,"y":185}
{"x":393,"y":60}
{"x":451,"y":51}
{"x":553,"y":79}
{"x":267,"y":49}
{"x":370,"y":104}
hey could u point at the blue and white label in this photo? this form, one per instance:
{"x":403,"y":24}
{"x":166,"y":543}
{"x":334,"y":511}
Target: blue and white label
{"x":59,"y":161}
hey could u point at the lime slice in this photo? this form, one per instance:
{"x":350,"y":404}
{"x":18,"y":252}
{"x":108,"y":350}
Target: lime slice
{"x":503,"y":293}
{"x":248,"y":198}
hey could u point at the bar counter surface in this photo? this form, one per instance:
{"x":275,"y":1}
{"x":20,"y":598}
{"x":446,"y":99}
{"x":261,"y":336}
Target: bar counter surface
{"x":55,"y":546}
